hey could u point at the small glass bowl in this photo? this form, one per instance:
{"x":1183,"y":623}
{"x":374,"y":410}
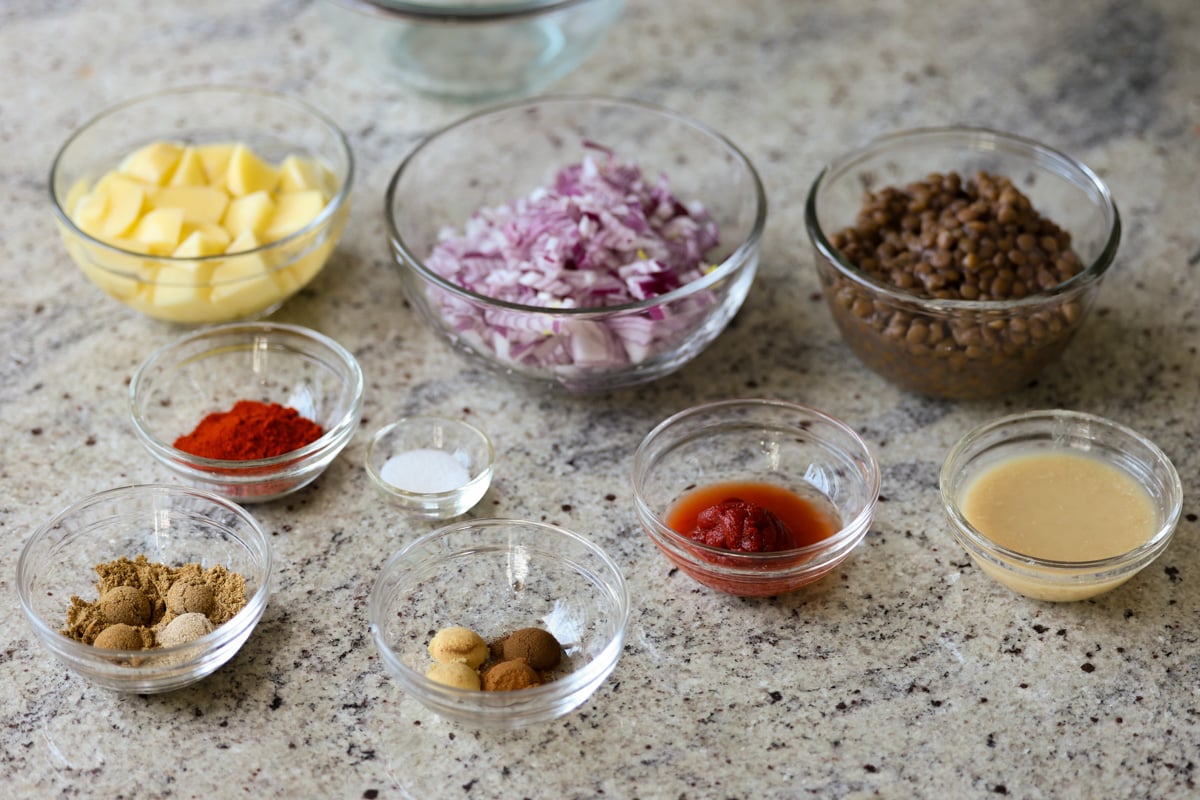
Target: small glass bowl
{"x":961,"y":349}
{"x":1061,"y":431}
{"x":182,"y":289}
{"x":763,"y":441}
{"x":211,"y":369}
{"x":474,"y":50}
{"x":468,"y":445}
{"x":173,"y":525}
{"x":502,"y":154}
{"x":495,"y":576}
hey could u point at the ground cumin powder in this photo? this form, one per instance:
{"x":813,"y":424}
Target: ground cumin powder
{"x":216,"y":592}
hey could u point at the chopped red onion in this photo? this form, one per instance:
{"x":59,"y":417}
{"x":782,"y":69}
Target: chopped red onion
{"x":601,"y":235}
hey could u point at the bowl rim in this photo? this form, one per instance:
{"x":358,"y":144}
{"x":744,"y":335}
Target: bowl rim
{"x":739,"y":256}
{"x":734,"y":562}
{"x":589,"y":674}
{"x":1050,"y":570}
{"x":246,"y":618}
{"x":326,"y":215}
{"x":335,"y":435}
{"x":972,"y":138}
{"x":483,"y":474}
{"x":460,"y":13}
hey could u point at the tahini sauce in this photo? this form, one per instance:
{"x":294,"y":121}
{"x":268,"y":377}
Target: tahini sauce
{"x":1060,"y":506}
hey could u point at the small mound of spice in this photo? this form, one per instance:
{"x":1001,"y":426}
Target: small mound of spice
{"x":519,"y":660}
{"x":249,"y":431}
{"x":138,"y":601}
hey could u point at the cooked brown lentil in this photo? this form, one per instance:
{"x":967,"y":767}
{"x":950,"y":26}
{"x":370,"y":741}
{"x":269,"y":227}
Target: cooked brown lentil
{"x":949,"y":239}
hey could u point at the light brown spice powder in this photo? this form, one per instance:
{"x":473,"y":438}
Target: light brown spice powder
{"x":85,"y":619}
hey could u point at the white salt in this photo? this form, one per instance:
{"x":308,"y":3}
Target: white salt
{"x":425,"y":471}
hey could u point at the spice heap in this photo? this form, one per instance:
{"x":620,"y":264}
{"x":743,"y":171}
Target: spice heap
{"x":142,"y":604}
{"x":520,"y":660}
{"x":249,"y":431}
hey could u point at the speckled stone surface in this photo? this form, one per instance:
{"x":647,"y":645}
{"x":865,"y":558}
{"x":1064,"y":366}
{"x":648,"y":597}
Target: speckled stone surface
{"x":905,"y":673}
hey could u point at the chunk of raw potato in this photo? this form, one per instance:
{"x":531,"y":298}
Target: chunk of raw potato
{"x":293,"y":211}
{"x":159,"y":230}
{"x":249,"y":213}
{"x":190,"y":170}
{"x":245,"y":281}
{"x":198,"y":203}
{"x":152,"y":163}
{"x":216,"y":161}
{"x":247,"y":173}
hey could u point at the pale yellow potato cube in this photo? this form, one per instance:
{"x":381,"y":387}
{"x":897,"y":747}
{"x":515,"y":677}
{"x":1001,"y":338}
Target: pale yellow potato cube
{"x":293,"y":210}
{"x":190,"y":170}
{"x":250,"y":212}
{"x":211,"y":232}
{"x":243,"y":242}
{"x":159,"y":228}
{"x":247,"y":173}
{"x":198,"y":203}
{"x":181,"y":291}
{"x":244,"y":283}
{"x":298,"y":174}
{"x":197,"y":245}
{"x":329,"y":181}
{"x":152,"y":163}
{"x":125,"y":199}
{"x":89,"y":213}
{"x":216,"y":161}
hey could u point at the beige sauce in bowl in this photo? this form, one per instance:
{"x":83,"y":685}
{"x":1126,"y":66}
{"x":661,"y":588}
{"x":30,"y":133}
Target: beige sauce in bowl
{"x":1060,"y":506}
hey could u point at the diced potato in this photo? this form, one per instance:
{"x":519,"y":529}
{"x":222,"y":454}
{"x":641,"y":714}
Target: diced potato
{"x":244,"y":281}
{"x":159,"y":229}
{"x":293,"y":210}
{"x":152,"y":163}
{"x":125,"y":199}
{"x":298,"y":174}
{"x":250,"y":213}
{"x":216,"y":161}
{"x":190,"y":170}
{"x":197,"y":245}
{"x":90,"y":212}
{"x":181,"y":289}
{"x":214,"y":233}
{"x":247,"y":173}
{"x":198,"y":203}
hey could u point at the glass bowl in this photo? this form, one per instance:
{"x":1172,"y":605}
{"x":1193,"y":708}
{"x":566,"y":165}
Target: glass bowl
{"x":209,"y":370}
{"x":960,"y":349}
{"x":214,"y":287}
{"x":495,"y":576}
{"x":473,"y":50}
{"x":1070,"y":432}
{"x":496,"y":156}
{"x":439,"y":495}
{"x":173,"y":525}
{"x":797,"y":448}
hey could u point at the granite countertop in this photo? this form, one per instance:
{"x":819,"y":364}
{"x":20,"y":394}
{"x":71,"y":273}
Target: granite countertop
{"x":907,"y":672}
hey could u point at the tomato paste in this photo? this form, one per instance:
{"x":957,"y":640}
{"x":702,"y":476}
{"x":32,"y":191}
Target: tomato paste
{"x":750,"y":517}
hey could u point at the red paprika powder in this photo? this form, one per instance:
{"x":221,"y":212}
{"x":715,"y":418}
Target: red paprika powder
{"x":250,"y":430}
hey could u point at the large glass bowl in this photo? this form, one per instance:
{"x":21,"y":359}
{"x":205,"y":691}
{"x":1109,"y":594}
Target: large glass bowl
{"x":212,"y":288}
{"x":496,"y":156}
{"x":473,"y":50}
{"x":960,"y":349}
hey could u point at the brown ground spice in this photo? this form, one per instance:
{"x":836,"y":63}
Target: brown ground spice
{"x":86,"y":619}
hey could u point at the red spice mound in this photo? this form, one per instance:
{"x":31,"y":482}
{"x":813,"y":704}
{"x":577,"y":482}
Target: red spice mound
{"x":734,"y":524}
{"x":250,"y":430}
